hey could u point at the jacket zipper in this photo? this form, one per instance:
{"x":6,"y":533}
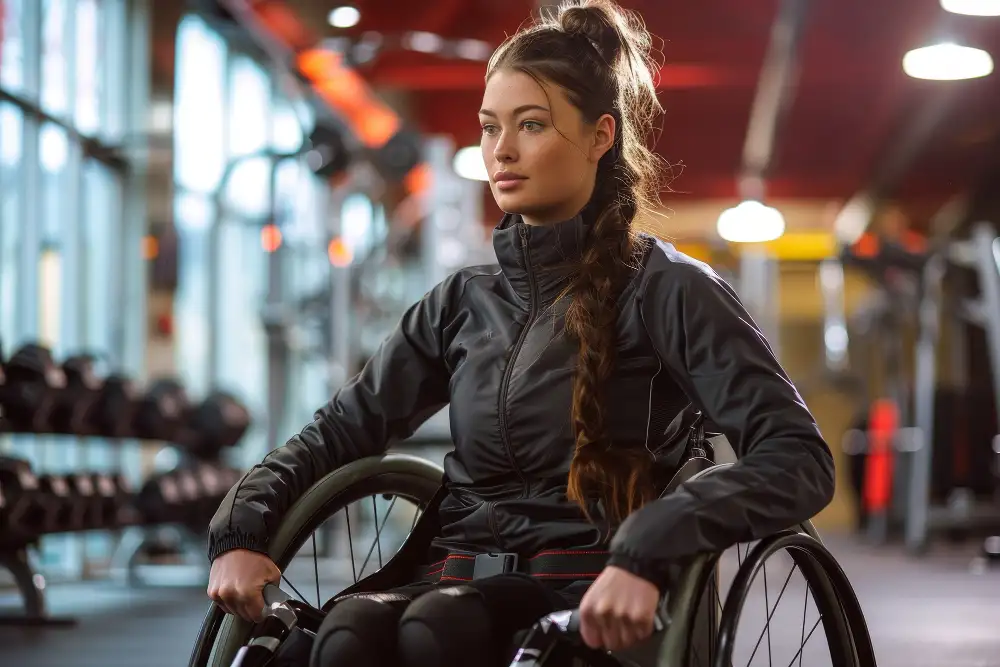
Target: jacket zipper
{"x":505,"y":382}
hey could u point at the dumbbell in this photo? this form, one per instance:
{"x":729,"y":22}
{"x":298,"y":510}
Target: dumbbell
{"x":187,"y":495}
{"x":160,"y":411}
{"x":217,"y":422}
{"x":21,"y":511}
{"x":113,"y":505}
{"x":112,"y":413}
{"x":74,"y":401}
{"x":69,"y":503}
{"x":28,"y":395}
{"x":159,"y":501}
{"x":215,"y":481}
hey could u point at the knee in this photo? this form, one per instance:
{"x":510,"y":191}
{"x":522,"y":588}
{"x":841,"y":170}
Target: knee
{"x":357,"y":632}
{"x":447,"y":628}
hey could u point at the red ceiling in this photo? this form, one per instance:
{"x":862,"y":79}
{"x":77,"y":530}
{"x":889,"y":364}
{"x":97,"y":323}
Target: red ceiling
{"x":846,"y":115}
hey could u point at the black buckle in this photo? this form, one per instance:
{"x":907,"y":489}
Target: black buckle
{"x":489,"y":565}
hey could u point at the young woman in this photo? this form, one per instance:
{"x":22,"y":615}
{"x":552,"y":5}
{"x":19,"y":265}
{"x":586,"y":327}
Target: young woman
{"x":566,"y":368}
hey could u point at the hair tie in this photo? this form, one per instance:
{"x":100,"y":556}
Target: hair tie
{"x":591,"y":44}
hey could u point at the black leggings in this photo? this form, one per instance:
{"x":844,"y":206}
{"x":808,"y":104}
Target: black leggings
{"x":448,"y":624}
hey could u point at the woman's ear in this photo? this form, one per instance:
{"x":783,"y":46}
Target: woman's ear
{"x":604,"y":136}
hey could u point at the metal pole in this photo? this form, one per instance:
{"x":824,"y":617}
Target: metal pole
{"x":986,"y":244}
{"x":275,"y":333}
{"x":925,"y":382}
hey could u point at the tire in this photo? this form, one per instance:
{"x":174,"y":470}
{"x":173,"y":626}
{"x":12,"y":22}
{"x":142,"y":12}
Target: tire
{"x":400,"y":475}
{"x":844,"y":622}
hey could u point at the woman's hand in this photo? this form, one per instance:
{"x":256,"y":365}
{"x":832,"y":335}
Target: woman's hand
{"x":237,"y":580}
{"x":618,"y":610}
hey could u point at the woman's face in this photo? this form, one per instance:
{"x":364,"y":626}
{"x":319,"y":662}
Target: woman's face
{"x":540,"y":154}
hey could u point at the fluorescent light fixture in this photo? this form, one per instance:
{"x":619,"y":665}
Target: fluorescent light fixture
{"x":425,"y":42}
{"x":344,"y":17}
{"x":972,"y":7}
{"x":947,"y":62}
{"x":468,"y":163}
{"x":751,"y":222}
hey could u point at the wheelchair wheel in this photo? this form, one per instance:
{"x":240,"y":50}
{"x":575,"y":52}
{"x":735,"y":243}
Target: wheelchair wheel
{"x":382,"y":479}
{"x":711,"y":628}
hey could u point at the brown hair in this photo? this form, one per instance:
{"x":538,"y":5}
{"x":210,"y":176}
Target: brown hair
{"x":599,"y":54}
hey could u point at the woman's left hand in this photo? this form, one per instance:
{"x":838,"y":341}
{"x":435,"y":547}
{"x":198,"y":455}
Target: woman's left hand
{"x":618,"y":610}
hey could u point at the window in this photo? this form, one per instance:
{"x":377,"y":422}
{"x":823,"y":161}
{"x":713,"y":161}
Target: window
{"x":88,"y":70}
{"x":55,"y":74}
{"x":241,"y":282}
{"x":11,"y":129}
{"x":199,"y":154}
{"x":193,"y":216}
{"x":249,"y":107}
{"x":12,"y":51}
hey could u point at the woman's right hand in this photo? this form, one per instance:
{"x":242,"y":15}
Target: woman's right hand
{"x":237,"y":580}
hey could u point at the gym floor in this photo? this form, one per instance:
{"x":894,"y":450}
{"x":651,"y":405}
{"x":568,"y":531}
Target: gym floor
{"x":934,"y":612}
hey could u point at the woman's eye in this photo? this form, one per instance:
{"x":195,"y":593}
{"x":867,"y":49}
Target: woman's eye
{"x":489,"y":130}
{"x":531,"y":126}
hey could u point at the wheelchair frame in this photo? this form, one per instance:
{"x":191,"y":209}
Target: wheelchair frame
{"x":419,"y":480}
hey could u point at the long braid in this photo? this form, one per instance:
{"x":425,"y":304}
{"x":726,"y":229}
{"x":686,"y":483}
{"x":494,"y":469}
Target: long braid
{"x":618,"y":477}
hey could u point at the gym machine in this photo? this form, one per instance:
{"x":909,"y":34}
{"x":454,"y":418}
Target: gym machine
{"x":980,"y":254}
{"x":40,"y":397}
{"x":923,"y":490}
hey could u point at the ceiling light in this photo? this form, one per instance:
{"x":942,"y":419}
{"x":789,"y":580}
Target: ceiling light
{"x":468,"y":163}
{"x":751,"y":222}
{"x":425,"y":42}
{"x":947,"y":62}
{"x":473,"y":49}
{"x":344,"y":17}
{"x":972,"y":7}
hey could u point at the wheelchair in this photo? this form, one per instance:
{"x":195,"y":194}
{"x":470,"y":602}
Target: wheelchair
{"x":697,"y":621}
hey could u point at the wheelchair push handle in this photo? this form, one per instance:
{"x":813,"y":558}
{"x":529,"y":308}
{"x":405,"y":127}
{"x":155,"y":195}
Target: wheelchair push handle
{"x":563,"y":625}
{"x":571,"y":625}
{"x":279,"y":620}
{"x":274,"y":595}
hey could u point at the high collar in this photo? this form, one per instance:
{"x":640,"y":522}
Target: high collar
{"x":539,"y":260}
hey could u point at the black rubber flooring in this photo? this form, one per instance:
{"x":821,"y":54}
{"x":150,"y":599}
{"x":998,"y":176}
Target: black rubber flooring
{"x":933,"y":612}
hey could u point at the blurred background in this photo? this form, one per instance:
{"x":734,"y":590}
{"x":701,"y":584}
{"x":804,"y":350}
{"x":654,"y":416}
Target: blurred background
{"x":213,"y":210}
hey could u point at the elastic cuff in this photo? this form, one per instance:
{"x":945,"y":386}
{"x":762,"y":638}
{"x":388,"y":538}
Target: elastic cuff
{"x":651,"y":572}
{"x":234,"y":539}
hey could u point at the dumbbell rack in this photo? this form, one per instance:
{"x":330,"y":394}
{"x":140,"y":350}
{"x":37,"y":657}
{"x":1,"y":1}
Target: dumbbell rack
{"x":39,"y":397}
{"x":139,"y":527}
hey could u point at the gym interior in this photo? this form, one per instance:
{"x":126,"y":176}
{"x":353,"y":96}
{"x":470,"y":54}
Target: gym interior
{"x":214,"y":210}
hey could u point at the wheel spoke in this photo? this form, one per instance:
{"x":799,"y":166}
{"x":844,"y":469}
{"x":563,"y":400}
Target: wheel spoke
{"x":767,"y":605}
{"x":350,"y":542}
{"x":319,"y":600}
{"x":718,"y":611}
{"x":294,"y":590}
{"x":798,"y":654}
{"x":767,"y":623}
{"x":378,"y":533}
{"x":802,"y":640}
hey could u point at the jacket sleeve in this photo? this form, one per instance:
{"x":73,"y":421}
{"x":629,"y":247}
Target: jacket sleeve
{"x":785,"y":472}
{"x":402,"y":385}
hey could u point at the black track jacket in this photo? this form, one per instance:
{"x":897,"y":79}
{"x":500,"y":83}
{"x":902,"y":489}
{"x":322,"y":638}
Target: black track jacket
{"x":489,"y":341}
